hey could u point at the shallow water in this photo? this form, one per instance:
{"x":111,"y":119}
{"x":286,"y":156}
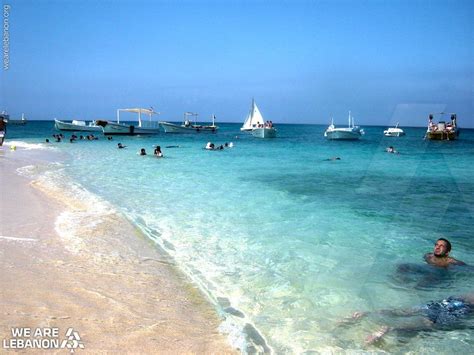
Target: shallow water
{"x":275,"y":233}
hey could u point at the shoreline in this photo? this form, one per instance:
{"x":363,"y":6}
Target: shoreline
{"x":102,"y":279}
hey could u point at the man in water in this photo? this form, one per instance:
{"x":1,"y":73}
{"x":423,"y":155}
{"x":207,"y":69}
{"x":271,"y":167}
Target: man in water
{"x":447,"y":314}
{"x":440,"y":255}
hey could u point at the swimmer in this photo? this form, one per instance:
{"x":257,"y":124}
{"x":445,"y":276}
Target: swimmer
{"x":446,"y":314}
{"x":120,"y":146}
{"x":210,"y":146}
{"x":158,"y":152}
{"x":440,"y":255}
{"x":332,"y":159}
{"x":142,"y":152}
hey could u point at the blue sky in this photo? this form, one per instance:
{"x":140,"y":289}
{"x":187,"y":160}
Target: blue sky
{"x":303,"y":61}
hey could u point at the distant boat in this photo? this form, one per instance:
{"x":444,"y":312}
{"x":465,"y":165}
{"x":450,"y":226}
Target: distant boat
{"x":253,"y":119}
{"x":255,"y":123}
{"x":352,"y":132}
{"x":188,"y":126}
{"x":77,"y":125}
{"x":21,"y":121}
{"x":442,"y":130}
{"x":144,"y":126}
{"x":394,"y":131}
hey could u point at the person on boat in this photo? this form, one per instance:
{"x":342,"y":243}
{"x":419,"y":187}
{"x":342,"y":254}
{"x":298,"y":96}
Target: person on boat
{"x":142,"y":152}
{"x":446,"y":314}
{"x":120,"y":146}
{"x":158,"y":152}
{"x":440,"y":255}
{"x":3,"y":130}
{"x":431,"y":125}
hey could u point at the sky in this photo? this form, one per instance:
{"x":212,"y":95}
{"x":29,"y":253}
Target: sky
{"x":302,"y":61}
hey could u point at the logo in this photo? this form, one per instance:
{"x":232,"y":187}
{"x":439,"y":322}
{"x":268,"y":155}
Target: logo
{"x":73,"y":340}
{"x":43,"y":338}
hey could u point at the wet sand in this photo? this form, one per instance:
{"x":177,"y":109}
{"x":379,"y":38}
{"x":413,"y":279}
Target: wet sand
{"x":105,"y":279}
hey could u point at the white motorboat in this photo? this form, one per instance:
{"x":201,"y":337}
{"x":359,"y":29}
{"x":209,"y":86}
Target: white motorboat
{"x":254,"y":118}
{"x":351,"y":132}
{"x":394,"y":131}
{"x":144,"y":126}
{"x":77,"y":125}
{"x":188,"y":126}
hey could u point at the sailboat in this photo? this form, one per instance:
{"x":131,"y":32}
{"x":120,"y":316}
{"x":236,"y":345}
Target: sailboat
{"x":256,"y":125}
{"x":350,"y":133}
{"x":254,"y":118}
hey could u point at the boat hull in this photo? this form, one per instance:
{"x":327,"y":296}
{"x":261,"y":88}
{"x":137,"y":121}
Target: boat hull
{"x":174,"y":128}
{"x":264,"y":132}
{"x":442,"y":135}
{"x":393,"y":133}
{"x":113,"y":128}
{"x":343,"y":135}
{"x":65,"y":126}
{"x":17,"y":122}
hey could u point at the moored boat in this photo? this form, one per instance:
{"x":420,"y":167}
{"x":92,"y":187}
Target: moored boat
{"x":394,"y":131}
{"x":77,"y":125}
{"x":21,"y":121}
{"x":442,"y":130}
{"x":144,"y":126}
{"x":188,"y":126}
{"x":351,"y":132}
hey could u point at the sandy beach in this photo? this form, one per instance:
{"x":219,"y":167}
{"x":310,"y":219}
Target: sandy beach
{"x":105,"y":279}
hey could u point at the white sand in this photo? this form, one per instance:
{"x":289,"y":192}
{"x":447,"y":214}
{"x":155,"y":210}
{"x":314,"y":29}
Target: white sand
{"x":114,"y":288}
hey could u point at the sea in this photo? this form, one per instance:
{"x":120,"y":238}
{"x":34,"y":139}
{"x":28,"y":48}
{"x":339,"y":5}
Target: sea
{"x":286,"y":241}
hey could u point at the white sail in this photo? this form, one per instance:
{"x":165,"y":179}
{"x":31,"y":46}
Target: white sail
{"x":254,"y":118}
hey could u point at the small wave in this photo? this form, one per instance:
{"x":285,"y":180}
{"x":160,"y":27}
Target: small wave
{"x":241,"y":332}
{"x":28,"y":146}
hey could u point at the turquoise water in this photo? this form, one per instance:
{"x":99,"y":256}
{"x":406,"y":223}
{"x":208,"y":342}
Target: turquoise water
{"x":291,"y":241}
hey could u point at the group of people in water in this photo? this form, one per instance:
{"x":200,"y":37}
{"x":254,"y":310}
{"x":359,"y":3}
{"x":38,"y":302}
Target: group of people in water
{"x":156,"y":152}
{"x":212,"y":146}
{"x":58,"y":138}
{"x":446,"y":314}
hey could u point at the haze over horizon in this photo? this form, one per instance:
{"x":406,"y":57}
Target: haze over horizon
{"x":302,"y":61}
